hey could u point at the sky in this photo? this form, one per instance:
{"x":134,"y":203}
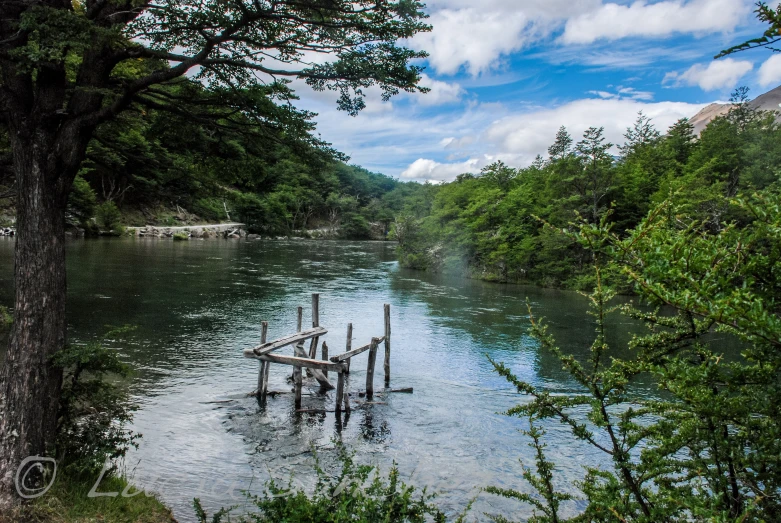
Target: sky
{"x":506,"y":74}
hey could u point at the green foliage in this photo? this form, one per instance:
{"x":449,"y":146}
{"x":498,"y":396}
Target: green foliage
{"x":82,"y":201}
{"x":354,"y":493}
{"x":108,"y":216}
{"x":709,"y":450}
{"x":6,"y":318}
{"x":546,"y":504}
{"x":181,"y":237}
{"x":95,"y":408}
{"x":493,"y":226}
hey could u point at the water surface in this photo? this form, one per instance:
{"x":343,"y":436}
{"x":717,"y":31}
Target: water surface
{"x":197,"y":304}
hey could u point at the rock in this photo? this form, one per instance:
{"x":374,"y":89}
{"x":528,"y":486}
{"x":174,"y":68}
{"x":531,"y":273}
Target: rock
{"x":253,"y":236}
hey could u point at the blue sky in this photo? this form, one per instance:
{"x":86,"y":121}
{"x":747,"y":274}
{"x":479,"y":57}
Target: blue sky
{"x":505,"y":74}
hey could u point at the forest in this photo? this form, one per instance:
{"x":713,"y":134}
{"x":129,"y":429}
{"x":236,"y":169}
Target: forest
{"x":505,"y":224}
{"x":193,"y":155}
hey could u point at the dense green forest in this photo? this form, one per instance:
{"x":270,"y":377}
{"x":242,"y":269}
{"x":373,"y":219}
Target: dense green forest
{"x":505,"y":224}
{"x":191,"y":155}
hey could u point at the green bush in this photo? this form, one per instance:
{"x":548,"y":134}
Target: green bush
{"x":181,"y":236}
{"x":355,"y":227}
{"x":108,"y":216}
{"x":82,"y":201}
{"x":354,"y":494}
{"x":6,"y":318}
{"x":94,"y":407}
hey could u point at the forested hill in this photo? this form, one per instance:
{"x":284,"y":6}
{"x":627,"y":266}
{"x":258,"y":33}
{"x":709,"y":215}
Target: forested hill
{"x":191,"y":155}
{"x":505,"y":224}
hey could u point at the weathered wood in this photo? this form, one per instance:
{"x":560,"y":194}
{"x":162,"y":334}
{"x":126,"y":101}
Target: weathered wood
{"x":349,"y":343}
{"x":324,"y":355}
{"x":297,"y":383}
{"x":300,"y":319}
{"x":370,"y":368}
{"x":262,"y":370}
{"x":348,"y":355}
{"x":339,"y":391}
{"x":387,"y":345}
{"x":315,"y":323}
{"x":267,"y":348}
{"x":302,"y":362}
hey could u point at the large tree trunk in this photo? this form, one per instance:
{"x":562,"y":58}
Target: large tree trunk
{"x":29,"y":382}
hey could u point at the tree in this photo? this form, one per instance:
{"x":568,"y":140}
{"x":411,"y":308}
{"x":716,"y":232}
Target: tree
{"x":642,"y":133}
{"x":69,"y":67}
{"x":596,"y":178}
{"x":562,"y":147}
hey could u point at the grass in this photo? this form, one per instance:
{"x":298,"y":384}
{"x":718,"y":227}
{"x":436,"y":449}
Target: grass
{"x":67,"y":502}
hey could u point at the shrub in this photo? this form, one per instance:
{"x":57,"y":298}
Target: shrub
{"x":82,"y":201}
{"x":355,"y":227}
{"x":94,"y":407}
{"x":108,"y":216}
{"x":354,"y":494}
{"x":181,"y":236}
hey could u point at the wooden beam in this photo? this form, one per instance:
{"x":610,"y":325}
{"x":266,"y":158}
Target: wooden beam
{"x":267,"y":348}
{"x":347,"y":355}
{"x":302,"y":362}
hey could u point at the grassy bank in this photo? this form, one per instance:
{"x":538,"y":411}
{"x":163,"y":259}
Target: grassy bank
{"x":68,"y":502}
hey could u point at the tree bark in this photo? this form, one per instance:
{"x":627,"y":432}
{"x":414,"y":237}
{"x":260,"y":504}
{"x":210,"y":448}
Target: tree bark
{"x":29,"y":382}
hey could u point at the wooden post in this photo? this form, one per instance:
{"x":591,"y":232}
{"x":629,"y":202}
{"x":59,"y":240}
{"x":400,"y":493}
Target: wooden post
{"x":370,"y":369}
{"x":299,"y":347}
{"x":339,"y":391}
{"x":325,"y":357}
{"x":349,"y":343}
{"x":315,"y":323}
{"x":297,"y":380}
{"x":387,"y":345}
{"x":262,"y":371}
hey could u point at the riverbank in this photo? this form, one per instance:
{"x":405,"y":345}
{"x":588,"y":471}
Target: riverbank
{"x":69,"y":501}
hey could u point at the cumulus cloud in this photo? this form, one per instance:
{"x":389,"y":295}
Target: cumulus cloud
{"x":770,"y":71}
{"x":425,"y":169}
{"x":719,"y":74}
{"x":518,"y":138}
{"x":612,"y":21}
{"x":441,"y":92}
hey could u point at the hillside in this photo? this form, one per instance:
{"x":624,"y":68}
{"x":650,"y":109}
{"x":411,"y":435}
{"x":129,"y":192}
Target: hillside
{"x":769,"y":101}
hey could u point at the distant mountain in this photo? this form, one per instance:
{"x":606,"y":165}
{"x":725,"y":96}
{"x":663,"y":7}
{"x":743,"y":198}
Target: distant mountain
{"x":770,"y":101}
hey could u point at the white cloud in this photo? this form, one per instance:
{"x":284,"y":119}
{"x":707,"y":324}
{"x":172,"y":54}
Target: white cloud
{"x":613,"y":21}
{"x":518,"y":138}
{"x":770,"y":72}
{"x":424,"y":169}
{"x":718,"y":74}
{"x":474,"y":38}
{"x":441,"y":92}
{"x":624,"y":92}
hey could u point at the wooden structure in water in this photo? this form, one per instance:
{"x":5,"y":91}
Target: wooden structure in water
{"x":319,"y":368}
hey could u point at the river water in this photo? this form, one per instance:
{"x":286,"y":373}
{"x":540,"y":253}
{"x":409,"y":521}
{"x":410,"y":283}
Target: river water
{"x":197,"y":304}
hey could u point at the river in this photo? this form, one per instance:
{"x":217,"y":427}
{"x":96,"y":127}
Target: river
{"x":197,"y":304}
